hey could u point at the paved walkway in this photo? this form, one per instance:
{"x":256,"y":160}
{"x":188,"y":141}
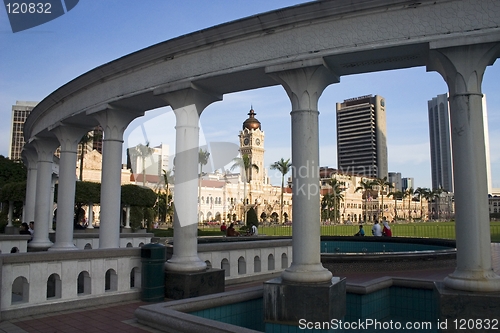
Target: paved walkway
{"x":120,"y":317}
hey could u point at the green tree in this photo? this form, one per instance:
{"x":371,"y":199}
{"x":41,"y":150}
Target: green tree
{"x":245,"y":165}
{"x":382,"y":183}
{"x":366,"y":186}
{"x":409,"y":193}
{"x":396,"y":195}
{"x":141,"y":197}
{"x":422,"y":193}
{"x":335,"y":196}
{"x":11,"y":171}
{"x":252,"y":218}
{"x":283,"y":167}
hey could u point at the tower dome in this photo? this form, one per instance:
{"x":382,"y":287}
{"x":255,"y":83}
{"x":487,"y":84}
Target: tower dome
{"x":251,"y":123}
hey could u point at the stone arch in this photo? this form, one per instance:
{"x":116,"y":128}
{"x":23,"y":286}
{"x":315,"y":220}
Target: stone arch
{"x":15,"y":249}
{"x":256,"y":264}
{"x":141,"y":244}
{"x":284,"y":261}
{"x":87,"y":246}
{"x":242,"y":266}
{"x":270,"y":262}
{"x":20,"y":290}
{"x":224,"y":264}
{"x":129,"y":245}
{"x":135,"y":278}
{"x":111,"y":280}
{"x":54,"y":286}
{"x":83,"y":284}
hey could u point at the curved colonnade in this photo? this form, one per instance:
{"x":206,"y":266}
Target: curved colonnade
{"x":304,"y":48}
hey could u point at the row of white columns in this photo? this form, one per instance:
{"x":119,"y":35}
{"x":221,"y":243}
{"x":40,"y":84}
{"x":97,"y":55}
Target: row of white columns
{"x":462,"y":68}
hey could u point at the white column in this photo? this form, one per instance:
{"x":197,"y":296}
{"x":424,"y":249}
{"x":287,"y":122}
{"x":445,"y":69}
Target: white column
{"x":10,"y":214}
{"x":90,"y":215}
{"x":30,"y":160}
{"x":127,"y":217}
{"x":114,"y":122}
{"x":54,"y":177}
{"x":187,"y":105}
{"x":304,"y":83}
{"x":463,"y":68}
{"x":68,"y":137}
{"x":45,"y":148}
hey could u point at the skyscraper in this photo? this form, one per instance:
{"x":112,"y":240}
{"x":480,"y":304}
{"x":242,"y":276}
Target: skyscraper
{"x":20,"y":112}
{"x":440,"y":141}
{"x":362,"y":136}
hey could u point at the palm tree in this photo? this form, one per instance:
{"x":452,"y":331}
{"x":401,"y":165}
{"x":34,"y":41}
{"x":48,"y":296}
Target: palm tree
{"x":143,"y":151}
{"x":409,"y":193}
{"x":436,"y":194}
{"x":203,"y":158}
{"x":422,"y":192}
{"x":244,"y":164}
{"x":337,"y":194}
{"x":283,"y":167}
{"x":382,"y":183}
{"x":396,"y":195}
{"x":366,"y":186}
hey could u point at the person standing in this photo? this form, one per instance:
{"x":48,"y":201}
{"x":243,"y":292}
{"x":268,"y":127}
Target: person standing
{"x":376,"y":229}
{"x":386,"y":231}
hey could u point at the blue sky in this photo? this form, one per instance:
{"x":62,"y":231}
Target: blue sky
{"x":35,"y":62}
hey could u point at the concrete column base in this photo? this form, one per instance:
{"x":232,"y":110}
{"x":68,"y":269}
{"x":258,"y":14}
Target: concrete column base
{"x":180,"y":285}
{"x":456,"y":307}
{"x":287,"y":302}
{"x":11,"y":230}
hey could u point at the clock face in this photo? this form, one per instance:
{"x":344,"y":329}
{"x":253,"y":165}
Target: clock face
{"x":257,"y":142}
{"x":246,"y":141}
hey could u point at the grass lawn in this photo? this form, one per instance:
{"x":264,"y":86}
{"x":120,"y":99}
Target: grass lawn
{"x":419,"y":229}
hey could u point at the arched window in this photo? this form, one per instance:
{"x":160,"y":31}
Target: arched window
{"x":256,"y":264}
{"x":54,"y":286}
{"x":111,"y":280}
{"x":135,"y":278}
{"x":225,"y":266}
{"x":20,"y":290}
{"x":83,"y":284}
{"x":284,"y":261}
{"x":270,"y":263}
{"x":242,"y":266}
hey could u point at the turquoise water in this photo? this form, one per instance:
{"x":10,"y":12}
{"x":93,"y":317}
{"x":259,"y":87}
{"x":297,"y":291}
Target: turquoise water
{"x":375,"y":311}
{"x":376,"y":247}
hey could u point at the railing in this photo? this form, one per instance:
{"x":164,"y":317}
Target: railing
{"x":41,"y":282}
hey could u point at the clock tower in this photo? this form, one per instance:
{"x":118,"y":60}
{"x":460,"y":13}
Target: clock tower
{"x":252,"y":144}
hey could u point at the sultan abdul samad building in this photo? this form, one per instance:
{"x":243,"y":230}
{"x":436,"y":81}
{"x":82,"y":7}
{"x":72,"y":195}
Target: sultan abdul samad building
{"x":222,"y":194}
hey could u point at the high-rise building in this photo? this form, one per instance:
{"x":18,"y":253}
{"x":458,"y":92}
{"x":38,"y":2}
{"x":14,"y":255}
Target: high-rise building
{"x":362,"y":136}
{"x":395,"y":178}
{"x":440,"y":140}
{"x":20,"y":112}
{"x":148,"y":161}
{"x":407,"y":183}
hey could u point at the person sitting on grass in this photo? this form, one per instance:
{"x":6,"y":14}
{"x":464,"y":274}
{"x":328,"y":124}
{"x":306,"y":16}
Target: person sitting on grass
{"x":230,"y":232}
{"x":361,"y":231}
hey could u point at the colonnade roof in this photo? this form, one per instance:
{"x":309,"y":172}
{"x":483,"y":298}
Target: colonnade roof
{"x":347,"y":36}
